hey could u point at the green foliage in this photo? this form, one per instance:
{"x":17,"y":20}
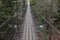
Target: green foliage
{"x":6,"y":10}
{"x":58,"y":10}
{"x":32,"y":2}
{"x":35,"y":8}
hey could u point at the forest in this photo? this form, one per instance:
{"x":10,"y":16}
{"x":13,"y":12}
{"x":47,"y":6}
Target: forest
{"x":11,"y":12}
{"x":44,"y":12}
{"x":47,"y":13}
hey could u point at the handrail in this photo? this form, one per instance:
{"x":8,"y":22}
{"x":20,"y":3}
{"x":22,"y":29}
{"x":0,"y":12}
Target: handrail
{"x":4,"y":32}
{"x":51,"y":25}
{"x":6,"y":22}
{"x":11,"y":34}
